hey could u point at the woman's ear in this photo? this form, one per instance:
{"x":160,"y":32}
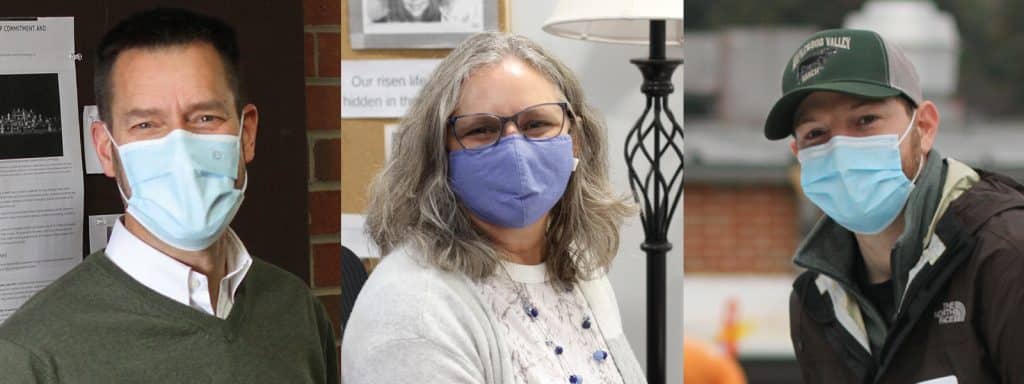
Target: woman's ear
{"x":574,"y":128}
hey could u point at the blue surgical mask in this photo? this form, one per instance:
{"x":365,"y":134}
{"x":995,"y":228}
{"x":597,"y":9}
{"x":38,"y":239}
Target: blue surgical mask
{"x":857,"y":181}
{"x":515,"y":182}
{"x":183,"y":185}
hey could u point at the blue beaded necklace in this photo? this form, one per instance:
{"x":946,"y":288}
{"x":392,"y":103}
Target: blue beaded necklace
{"x":533,"y":313}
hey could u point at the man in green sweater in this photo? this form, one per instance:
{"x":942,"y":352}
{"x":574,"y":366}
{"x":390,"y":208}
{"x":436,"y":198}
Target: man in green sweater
{"x":175,"y":296}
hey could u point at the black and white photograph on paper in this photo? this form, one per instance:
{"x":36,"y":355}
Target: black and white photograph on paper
{"x":403,"y":11}
{"x":424,"y":15}
{"x":30,"y":116}
{"x":415,"y":24}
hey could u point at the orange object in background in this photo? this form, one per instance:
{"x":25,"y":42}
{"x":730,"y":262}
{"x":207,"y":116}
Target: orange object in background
{"x":733,"y":328}
{"x":731,"y":331}
{"x":703,"y":364}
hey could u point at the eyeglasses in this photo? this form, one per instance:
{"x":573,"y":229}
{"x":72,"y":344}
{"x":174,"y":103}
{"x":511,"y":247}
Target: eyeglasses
{"x":538,"y":122}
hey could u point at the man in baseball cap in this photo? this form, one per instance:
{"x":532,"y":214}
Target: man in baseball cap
{"x":914,"y":272}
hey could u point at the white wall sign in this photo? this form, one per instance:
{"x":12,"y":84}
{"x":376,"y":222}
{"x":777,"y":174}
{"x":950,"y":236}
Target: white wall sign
{"x":381,"y":88}
{"x":41,"y":184}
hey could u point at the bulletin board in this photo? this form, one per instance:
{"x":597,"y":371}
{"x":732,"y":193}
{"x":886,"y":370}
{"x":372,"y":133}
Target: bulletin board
{"x":362,"y":140}
{"x":273,"y":221}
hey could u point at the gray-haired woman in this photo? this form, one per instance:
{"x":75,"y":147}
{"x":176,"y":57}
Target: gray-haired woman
{"x":498,"y":223}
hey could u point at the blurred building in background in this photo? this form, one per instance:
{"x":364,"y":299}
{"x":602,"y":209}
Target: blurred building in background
{"x":744,"y":213}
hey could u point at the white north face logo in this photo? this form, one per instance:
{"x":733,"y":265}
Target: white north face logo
{"x":951,"y":312}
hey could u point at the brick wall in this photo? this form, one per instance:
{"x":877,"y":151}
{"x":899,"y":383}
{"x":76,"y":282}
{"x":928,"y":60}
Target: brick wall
{"x":740,"y":228}
{"x":322,"y":49}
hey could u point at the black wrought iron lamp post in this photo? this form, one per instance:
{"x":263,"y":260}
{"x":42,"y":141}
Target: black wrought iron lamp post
{"x":656,"y":139}
{"x":654,"y":145}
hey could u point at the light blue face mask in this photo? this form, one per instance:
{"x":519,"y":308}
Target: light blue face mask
{"x":183,"y":185}
{"x":858,"y":181}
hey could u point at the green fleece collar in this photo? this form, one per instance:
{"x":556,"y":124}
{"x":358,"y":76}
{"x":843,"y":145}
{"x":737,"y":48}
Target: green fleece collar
{"x":922,"y":205}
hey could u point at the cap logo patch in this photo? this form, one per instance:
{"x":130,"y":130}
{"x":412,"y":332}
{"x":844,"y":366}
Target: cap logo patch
{"x":813,"y":64}
{"x":811,"y":57}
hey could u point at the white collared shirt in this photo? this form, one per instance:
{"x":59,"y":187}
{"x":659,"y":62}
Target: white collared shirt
{"x":175,"y":280}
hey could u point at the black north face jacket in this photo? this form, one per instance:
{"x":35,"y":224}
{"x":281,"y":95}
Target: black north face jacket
{"x":958,"y":278}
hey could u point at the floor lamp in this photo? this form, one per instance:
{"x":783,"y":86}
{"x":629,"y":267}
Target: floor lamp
{"x":654,"y":145}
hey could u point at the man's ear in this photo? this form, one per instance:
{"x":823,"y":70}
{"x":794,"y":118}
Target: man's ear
{"x":927,"y":124}
{"x":250,"y":124}
{"x":103,"y":144}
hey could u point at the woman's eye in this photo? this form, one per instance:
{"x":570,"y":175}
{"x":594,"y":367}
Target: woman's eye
{"x":207,"y":118}
{"x":482,"y":130}
{"x":534,"y":124}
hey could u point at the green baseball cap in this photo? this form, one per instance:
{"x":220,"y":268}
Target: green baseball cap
{"x":856,"y":62}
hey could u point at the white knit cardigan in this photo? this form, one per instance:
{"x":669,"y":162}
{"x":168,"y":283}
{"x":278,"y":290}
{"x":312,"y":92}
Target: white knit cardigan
{"x":415,"y":323}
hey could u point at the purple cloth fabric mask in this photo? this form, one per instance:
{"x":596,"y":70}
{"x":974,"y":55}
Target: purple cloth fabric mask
{"x":515,"y":182}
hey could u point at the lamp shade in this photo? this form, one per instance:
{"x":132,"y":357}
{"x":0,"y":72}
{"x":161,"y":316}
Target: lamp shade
{"x":616,"y":21}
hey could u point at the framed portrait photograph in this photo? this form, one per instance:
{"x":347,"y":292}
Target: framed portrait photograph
{"x":418,"y":24}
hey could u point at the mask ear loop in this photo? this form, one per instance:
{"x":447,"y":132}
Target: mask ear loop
{"x":110,"y":135}
{"x":245,"y":170}
{"x":906,"y":132}
{"x":920,"y":165}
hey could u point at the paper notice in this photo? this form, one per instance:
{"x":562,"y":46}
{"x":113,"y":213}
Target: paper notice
{"x":41,"y":199}
{"x":381,"y":88}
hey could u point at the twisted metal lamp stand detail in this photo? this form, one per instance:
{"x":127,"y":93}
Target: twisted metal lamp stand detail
{"x":646,"y":149}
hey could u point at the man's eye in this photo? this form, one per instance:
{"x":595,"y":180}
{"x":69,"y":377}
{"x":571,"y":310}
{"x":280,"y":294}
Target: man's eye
{"x":143,"y":125}
{"x":866,"y":120}
{"x":814,"y":134}
{"x":207,"y":118}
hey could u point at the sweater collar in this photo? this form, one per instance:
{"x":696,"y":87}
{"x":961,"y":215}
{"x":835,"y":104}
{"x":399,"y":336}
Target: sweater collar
{"x":173,"y":279}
